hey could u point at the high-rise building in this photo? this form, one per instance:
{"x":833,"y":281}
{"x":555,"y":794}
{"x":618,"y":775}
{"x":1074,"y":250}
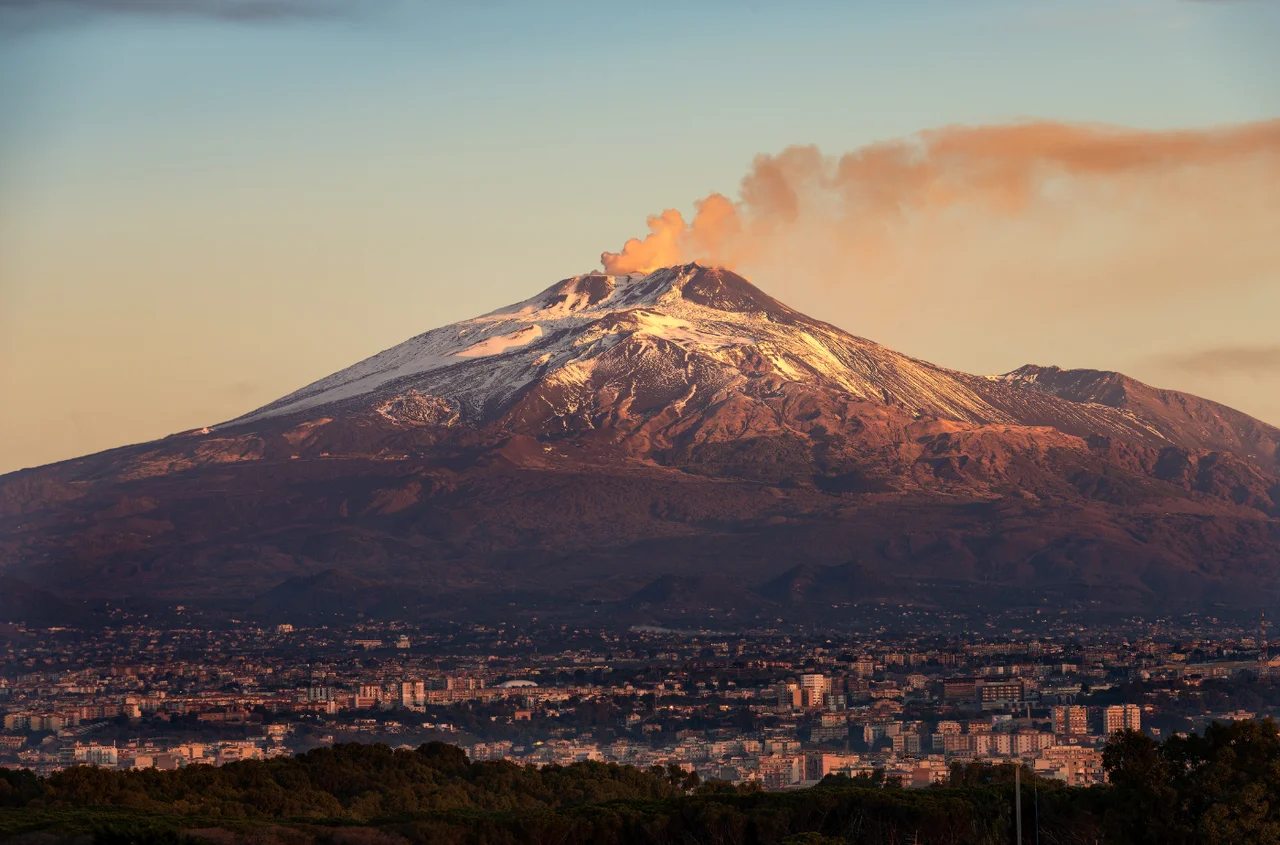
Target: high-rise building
{"x":781,"y":770}
{"x":1121,"y":717}
{"x":463,"y":683}
{"x":790,"y":696}
{"x":999,"y":693}
{"x":1070,"y":720}
{"x":413,"y":693}
{"x":813,"y":688}
{"x":1002,"y":744}
{"x":960,"y":689}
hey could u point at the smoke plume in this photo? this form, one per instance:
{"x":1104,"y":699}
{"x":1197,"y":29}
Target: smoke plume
{"x":996,"y":199}
{"x":1258,"y":359}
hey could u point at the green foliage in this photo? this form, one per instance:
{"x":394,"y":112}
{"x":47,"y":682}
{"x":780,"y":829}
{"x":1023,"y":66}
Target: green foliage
{"x":138,"y":832}
{"x":18,"y":787}
{"x":1222,"y":787}
{"x":350,"y":781}
{"x":985,"y":773}
{"x":1217,"y":788}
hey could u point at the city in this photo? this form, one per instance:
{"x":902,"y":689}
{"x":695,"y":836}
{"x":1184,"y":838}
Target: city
{"x":778,"y":709}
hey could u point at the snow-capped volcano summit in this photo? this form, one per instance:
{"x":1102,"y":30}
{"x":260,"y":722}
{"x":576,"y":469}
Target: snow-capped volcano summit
{"x":597,"y":349}
{"x":684,"y":329}
{"x":480,"y":365}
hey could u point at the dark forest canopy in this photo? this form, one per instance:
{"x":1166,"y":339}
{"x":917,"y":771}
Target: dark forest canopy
{"x":1222,"y":787}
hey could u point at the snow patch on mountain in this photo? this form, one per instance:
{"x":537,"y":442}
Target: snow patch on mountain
{"x":501,"y":343}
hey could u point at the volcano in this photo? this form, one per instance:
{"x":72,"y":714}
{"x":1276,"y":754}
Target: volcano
{"x":650,"y":435}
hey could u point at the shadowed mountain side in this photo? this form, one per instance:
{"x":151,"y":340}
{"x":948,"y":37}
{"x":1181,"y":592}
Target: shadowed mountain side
{"x":21,"y":602}
{"x":669,"y":594}
{"x":332,"y":593}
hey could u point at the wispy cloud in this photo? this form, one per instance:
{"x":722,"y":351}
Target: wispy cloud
{"x":1243,"y":359}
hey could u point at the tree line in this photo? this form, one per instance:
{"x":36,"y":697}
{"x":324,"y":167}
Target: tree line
{"x":1217,"y":788}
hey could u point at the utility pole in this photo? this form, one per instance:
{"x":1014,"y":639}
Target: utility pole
{"x":1017,"y":799}
{"x":1035,"y":794}
{"x":1262,"y":639}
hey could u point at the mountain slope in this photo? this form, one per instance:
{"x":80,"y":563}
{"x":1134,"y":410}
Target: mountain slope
{"x":1179,"y":418}
{"x":593,"y":344}
{"x":614,"y":431}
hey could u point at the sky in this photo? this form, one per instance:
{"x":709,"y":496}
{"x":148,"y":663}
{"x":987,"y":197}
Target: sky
{"x":206,"y":204}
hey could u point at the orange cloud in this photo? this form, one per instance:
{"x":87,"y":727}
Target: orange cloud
{"x":901,"y":196}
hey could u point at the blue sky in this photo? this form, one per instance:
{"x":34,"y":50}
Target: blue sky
{"x":201,"y":210}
